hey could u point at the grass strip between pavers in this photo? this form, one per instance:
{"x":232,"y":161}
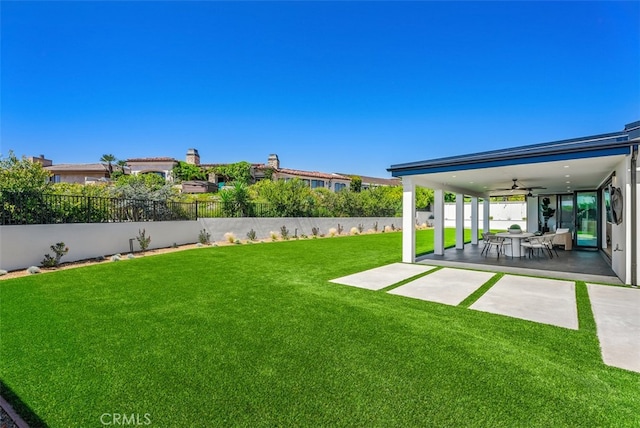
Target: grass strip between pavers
{"x":408,"y":280}
{"x":473,"y":297}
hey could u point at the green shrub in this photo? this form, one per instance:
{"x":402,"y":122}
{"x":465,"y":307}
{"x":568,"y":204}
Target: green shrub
{"x":59,"y":250}
{"x":204,"y":237}
{"x":251,"y":235}
{"x":143,"y":240}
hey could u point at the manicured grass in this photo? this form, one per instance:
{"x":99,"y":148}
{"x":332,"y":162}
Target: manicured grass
{"x":255,"y":335}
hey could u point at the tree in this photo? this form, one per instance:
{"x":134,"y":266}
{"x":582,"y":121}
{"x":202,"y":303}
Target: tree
{"x":235,"y":172}
{"x":356,"y":184}
{"x":424,"y":197}
{"x":22,"y":185}
{"x":184,"y":171}
{"x":119,"y":172}
{"x":108,"y":159}
{"x":236,"y":202}
{"x":22,"y":175}
{"x":291,"y":198}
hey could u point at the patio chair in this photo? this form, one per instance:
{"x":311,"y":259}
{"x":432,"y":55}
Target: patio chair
{"x":486,"y":237}
{"x":562,"y":238}
{"x":534,"y":243}
{"x":547,"y":240}
{"x":498,"y":243}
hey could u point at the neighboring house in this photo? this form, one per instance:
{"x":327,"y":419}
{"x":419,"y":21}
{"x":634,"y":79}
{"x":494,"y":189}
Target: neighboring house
{"x":371,"y":182}
{"x":590,"y":183}
{"x":162,"y":166}
{"x":314,"y":179}
{"x":81,"y":173}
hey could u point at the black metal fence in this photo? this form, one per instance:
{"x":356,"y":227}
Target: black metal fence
{"x":37,"y":208}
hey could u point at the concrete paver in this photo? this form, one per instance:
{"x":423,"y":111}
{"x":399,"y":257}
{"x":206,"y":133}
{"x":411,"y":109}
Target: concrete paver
{"x":448,"y":286}
{"x":617,"y":314}
{"x":547,"y":301}
{"x":384,"y":276}
{"x":616,"y":310}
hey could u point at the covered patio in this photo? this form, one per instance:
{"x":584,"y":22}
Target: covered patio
{"x":589,"y":266}
{"x":596,"y":167}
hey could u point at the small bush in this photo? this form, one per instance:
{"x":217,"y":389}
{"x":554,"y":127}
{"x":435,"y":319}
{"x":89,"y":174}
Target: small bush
{"x":143,"y":240}
{"x":204,"y":237}
{"x":360,"y":228}
{"x":515,"y":226}
{"x":388,"y":229}
{"x":315,"y":231}
{"x":116,"y":258}
{"x":130,"y":256}
{"x":332,"y":232}
{"x":32,"y":270}
{"x":354,"y":231}
{"x":251,"y":235}
{"x":3,"y":272}
{"x":237,"y":242}
{"x":273,"y":235}
{"x":59,"y":250}
{"x":375,"y":226}
{"x":199,"y":244}
{"x":303,"y":236}
{"x":340,"y":229}
{"x":284,"y":232}
{"x":230,"y":237}
{"x":175,"y":245}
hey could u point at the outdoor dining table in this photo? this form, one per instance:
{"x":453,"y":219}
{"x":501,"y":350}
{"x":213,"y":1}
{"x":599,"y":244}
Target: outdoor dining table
{"x":515,"y":241}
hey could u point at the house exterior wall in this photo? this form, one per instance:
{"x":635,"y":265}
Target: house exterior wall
{"x":328,"y":182}
{"x":619,"y":231}
{"x":144,"y":167}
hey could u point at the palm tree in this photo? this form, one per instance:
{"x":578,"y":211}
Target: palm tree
{"x":121,"y":164}
{"x":108,"y":158}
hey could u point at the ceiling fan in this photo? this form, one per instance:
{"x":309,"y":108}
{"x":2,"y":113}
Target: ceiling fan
{"x":520,"y":186}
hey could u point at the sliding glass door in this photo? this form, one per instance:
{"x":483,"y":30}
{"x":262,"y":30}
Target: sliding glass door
{"x":586,"y":219}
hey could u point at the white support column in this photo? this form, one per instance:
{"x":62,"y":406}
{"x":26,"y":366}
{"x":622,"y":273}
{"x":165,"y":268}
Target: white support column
{"x":438,"y":222}
{"x":486,"y":212}
{"x":474,"y":220}
{"x":459,"y":221}
{"x":408,"y":220}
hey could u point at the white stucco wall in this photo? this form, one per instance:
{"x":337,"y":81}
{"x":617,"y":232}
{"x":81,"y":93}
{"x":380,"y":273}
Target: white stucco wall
{"x":23,"y":246}
{"x":503,"y":215}
{"x":619,"y":232}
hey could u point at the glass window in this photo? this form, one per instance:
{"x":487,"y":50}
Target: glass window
{"x":339,"y":186}
{"x":317,"y":183}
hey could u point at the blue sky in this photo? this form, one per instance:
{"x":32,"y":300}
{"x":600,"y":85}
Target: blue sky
{"x":331,"y":86}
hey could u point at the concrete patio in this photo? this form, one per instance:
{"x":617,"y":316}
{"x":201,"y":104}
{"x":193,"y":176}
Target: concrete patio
{"x":590,"y":266}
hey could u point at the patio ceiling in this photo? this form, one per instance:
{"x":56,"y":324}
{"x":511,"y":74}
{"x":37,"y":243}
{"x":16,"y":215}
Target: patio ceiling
{"x":564,"y":176}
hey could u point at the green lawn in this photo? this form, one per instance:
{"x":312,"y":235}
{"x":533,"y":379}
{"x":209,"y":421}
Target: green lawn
{"x":255,"y":335}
